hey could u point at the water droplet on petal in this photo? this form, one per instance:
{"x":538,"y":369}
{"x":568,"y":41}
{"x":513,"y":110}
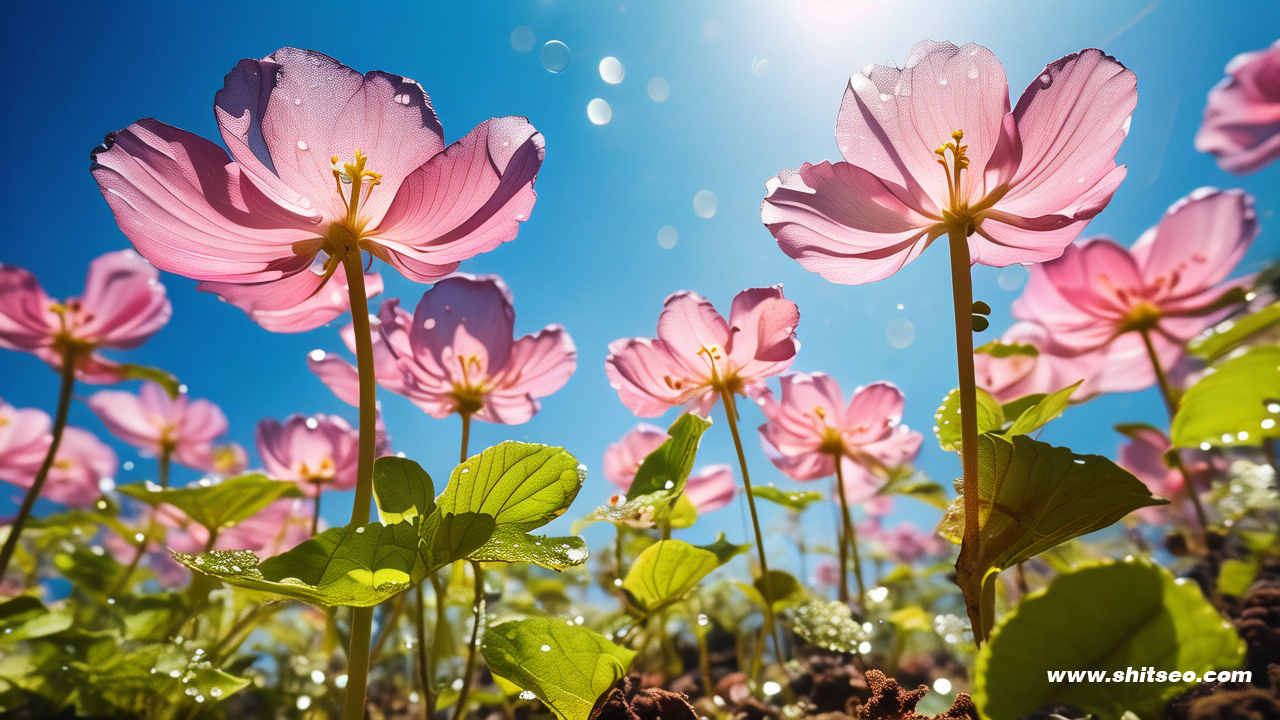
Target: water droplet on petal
{"x":1045,"y":81}
{"x":429,"y":323}
{"x":973,"y":73}
{"x":556,"y":56}
{"x":599,"y":112}
{"x":297,"y":101}
{"x":302,"y":144}
{"x":884,"y":97}
{"x":942,"y":81}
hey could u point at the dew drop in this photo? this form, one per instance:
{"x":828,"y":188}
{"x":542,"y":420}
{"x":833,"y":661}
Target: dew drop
{"x":556,"y":56}
{"x":546,"y":648}
{"x":612,"y":71}
{"x":599,"y":112}
{"x":360,"y":530}
{"x":312,"y":423}
{"x":973,"y":73}
{"x":884,"y":97}
{"x":942,"y":81}
{"x":297,"y":101}
{"x":1045,"y":80}
{"x":302,"y":144}
{"x":429,"y":323}
{"x":526,"y":695}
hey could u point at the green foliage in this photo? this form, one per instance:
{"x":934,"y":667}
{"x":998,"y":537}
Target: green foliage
{"x":402,"y":489}
{"x":787,"y":590}
{"x":566,"y":665}
{"x":1042,"y":411}
{"x":826,"y":624}
{"x":999,"y":349}
{"x":219,"y":505}
{"x":163,"y":378}
{"x":1108,"y":618}
{"x":669,"y":569}
{"x":914,"y":483}
{"x":25,"y":617}
{"x":668,"y":467}
{"x":1033,"y":496}
{"x":555,"y":553}
{"x":1228,"y":334}
{"x":1237,"y":404}
{"x":990,"y":418}
{"x":1017,"y":417}
{"x":796,"y":500}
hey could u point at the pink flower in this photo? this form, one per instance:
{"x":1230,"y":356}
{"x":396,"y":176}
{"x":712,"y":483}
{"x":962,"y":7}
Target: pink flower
{"x":456,"y":354}
{"x":1023,"y":187}
{"x":277,"y":527}
{"x":1242,"y":117}
{"x":169,"y":573}
{"x":906,"y":543}
{"x":318,"y":453}
{"x":76,"y":477}
{"x":24,"y":441}
{"x":123,"y":305}
{"x":1169,"y":283}
{"x":697,"y":354}
{"x":1112,"y":368}
{"x":827,"y":573}
{"x":229,"y":460}
{"x":710,"y":488}
{"x":324,"y":161}
{"x":159,"y":425}
{"x":276,"y":307}
{"x":811,"y":426}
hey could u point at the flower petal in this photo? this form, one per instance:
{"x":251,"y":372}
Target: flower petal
{"x":297,"y":303}
{"x":337,"y":374}
{"x":622,"y":459}
{"x":711,"y":488}
{"x":762,"y":336}
{"x":1197,"y":244}
{"x":538,"y":366}
{"x":1242,"y":116}
{"x":26,"y":321}
{"x":124,"y":417}
{"x":873,"y":413}
{"x":471,"y":316}
{"x":690,"y":328}
{"x":124,"y":302}
{"x":468,"y":199}
{"x":1079,"y":296}
{"x":649,"y":380}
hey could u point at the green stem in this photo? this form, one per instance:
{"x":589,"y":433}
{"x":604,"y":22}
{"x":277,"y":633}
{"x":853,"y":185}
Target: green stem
{"x":704,"y":664}
{"x":424,"y":657}
{"x":460,"y":710}
{"x":59,"y":423}
{"x":466,"y":435}
{"x":841,"y":540}
{"x":1171,"y":406}
{"x":617,"y":548}
{"x":851,"y":538}
{"x":361,"y":618}
{"x":315,"y":515}
{"x":163,"y":461}
{"x":731,"y":412}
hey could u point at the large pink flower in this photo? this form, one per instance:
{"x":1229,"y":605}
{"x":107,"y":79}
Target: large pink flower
{"x":123,"y":304}
{"x":324,"y":161}
{"x":318,"y":452}
{"x":275,"y":528}
{"x":710,"y":488}
{"x":697,"y":354}
{"x":1023,"y":184}
{"x":157,"y":424}
{"x":1169,"y":283}
{"x":456,"y":354}
{"x":77,"y":474}
{"x":24,"y":441}
{"x":1112,"y":368}
{"x":812,"y":425}
{"x":1242,"y":117}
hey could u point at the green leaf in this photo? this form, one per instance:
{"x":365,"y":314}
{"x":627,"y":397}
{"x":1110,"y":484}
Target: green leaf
{"x":567,"y":666}
{"x":723,"y":549}
{"x":1237,"y":404}
{"x":796,"y":500}
{"x":512,"y":546}
{"x":219,"y":505}
{"x":642,"y":512}
{"x":447,"y":538}
{"x":990,"y":418}
{"x":827,"y":624}
{"x":1226,"y":335}
{"x":521,"y":485}
{"x":916,"y":484}
{"x":683,"y":514}
{"x":1236,"y":576}
{"x":25,"y":617}
{"x":998,"y":349}
{"x":359,"y":567}
{"x":402,"y":489}
{"x":787,"y":590}
{"x":1104,"y":618}
{"x":1014,"y":408}
{"x":163,"y":378}
{"x":665,"y":571}
{"x":668,"y":467}
{"x":1039,"y":415}
{"x":1033,"y":496}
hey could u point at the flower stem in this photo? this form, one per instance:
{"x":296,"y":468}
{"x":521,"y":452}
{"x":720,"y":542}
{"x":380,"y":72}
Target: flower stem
{"x":315,"y":515}
{"x":466,"y":435}
{"x":163,"y":461}
{"x":1171,"y":405}
{"x":460,"y":710}
{"x":851,"y":540}
{"x":704,"y":664}
{"x":59,"y":423}
{"x":731,"y":412}
{"x":361,"y":618}
{"x":424,"y":657}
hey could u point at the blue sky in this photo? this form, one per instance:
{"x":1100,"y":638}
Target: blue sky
{"x":589,"y":257}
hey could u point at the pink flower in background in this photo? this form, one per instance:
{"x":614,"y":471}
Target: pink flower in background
{"x":318,"y":452}
{"x":827,"y":573}
{"x":277,"y":527}
{"x":78,"y":472}
{"x":905,"y":543}
{"x":812,"y":425}
{"x":24,"y":441}
{"x":1023,"y":184}
{"x":324,"y":161}
{"x":123,"y":304}
{"x":456,"y":354}
{"x":697,"y":354}
{"x":709,"y":488}
{"x":158,"y":425}
{"x":169,"y":573}
{"x":1098,"y":293}
{"x":1143,"y":455}
{"x":1242,"y":117}
{"x":230,"y":459}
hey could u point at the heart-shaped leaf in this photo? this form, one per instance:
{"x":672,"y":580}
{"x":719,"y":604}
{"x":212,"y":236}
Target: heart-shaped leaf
{"x":566,"y":666}
{"x":796,"y":500}
{"x":1237,"y":404}
{"x":668,"y":467}
{"x":523,"y":486}
{"x":990,"y":418}
{"x":669,"y":569}
{"x":218,"y":505}
{"x":1121,"y":618}
{"x":447,"y":538}
{"x":1039,"y":414}
{"x":402,"y":489}
{"x":1221,"y":338}
{"x":1033,"y":496}
{"x":359,"y":566}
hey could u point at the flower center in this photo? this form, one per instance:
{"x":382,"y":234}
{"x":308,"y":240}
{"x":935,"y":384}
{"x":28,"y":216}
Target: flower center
{"x":343,"y":236}
{"x":323,"y":473}
{"x":469,"y":397}
{"x":728,"y":382}
{"x":1143,"y":316}
{"x":957,"y":213}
